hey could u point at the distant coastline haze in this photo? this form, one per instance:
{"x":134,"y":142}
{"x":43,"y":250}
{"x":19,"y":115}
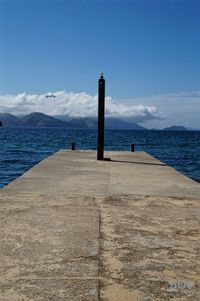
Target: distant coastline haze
{"x":157,"y":111}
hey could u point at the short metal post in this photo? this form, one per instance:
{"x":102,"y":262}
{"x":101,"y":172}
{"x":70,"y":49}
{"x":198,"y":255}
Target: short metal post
{"x":73,"y":145}
{"x":132,"y":147}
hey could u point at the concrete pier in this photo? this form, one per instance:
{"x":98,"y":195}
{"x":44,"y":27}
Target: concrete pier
{"x":74,"y":228}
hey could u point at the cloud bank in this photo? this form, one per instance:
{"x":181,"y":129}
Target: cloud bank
{"x":180,"y":108}
{"x":73,"y":105}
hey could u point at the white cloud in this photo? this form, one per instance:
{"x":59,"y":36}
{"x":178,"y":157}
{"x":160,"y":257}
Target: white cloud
{"x":181,"y":108}
{"x":73,"y":105}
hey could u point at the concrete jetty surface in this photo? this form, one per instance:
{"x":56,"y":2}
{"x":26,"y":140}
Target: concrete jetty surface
{"x":74,"y":228}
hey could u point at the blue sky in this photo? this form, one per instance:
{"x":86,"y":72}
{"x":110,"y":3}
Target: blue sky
{"x":145,"y":48}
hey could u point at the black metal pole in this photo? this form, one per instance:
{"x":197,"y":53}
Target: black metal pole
{"x":132,"y":147}
{"x":73,"y":146}
{"x":101,"y":117}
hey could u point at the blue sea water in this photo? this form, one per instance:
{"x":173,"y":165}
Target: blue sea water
{"x":21,"y":148}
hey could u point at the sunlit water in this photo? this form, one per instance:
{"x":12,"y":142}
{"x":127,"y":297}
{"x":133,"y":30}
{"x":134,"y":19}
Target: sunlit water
{"x":21,"y":148}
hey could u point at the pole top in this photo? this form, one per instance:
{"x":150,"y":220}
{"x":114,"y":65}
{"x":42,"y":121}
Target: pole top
{"x":101,"y":76}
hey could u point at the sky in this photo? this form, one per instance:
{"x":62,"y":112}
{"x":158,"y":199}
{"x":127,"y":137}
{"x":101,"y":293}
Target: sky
{"x":149,"y":51}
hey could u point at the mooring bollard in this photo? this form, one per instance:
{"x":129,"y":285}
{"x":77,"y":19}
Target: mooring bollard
{"x":73,"y":145}
{"x":132,"y":147}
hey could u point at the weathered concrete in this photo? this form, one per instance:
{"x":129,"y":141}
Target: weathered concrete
{"x":49,"y":248}
{"x":74,"y":228}
{"x":150,"y":249}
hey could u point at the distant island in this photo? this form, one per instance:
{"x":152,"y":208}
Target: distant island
{"x":175,"y":128}
{"x":37,"y":119}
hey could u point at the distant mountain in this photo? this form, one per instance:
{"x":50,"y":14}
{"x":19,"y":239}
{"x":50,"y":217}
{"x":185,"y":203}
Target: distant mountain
{"x":7,"y":119}
{"x":37,"y":119}
{"x":175,"y":128}
{"x":117,"y":124}
{"x":40,"y":120}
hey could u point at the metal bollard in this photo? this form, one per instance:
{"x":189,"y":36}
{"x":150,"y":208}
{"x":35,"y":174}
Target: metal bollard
{"x":132,"y":147}
{"x":73,"y":145}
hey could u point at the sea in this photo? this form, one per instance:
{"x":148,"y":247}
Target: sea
{"x":22,"y":148}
